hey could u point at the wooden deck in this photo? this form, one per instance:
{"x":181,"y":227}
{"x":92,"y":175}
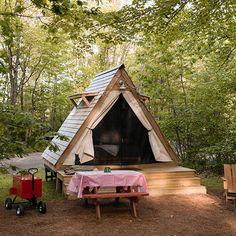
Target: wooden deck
{"x":161,"y":179}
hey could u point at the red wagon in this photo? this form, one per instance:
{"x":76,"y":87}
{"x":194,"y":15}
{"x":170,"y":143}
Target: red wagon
{"x":27,"y":187}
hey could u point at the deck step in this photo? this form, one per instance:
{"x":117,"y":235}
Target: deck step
{"x":164,"y":175}
{"x":155,"y":191}
{"x":174,"y":182}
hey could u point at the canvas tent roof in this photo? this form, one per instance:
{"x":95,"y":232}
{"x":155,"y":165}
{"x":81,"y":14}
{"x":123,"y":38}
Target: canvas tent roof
{"x":105,"y":97}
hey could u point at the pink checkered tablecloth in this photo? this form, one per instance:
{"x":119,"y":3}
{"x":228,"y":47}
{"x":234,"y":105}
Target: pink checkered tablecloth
{"x":115,"y":178}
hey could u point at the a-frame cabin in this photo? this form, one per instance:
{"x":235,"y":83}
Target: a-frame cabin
{"x":111,"y":126}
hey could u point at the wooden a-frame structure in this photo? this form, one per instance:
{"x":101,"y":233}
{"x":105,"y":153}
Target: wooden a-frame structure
{"x":110,"y":125}
{"x":110,"y":85}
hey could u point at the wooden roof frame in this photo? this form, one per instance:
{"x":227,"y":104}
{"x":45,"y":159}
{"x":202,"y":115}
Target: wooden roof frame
{"x":83,"y":96}
{"x":121,"y":74}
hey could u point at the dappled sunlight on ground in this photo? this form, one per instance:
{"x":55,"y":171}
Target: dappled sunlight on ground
{"x":195,"y":214}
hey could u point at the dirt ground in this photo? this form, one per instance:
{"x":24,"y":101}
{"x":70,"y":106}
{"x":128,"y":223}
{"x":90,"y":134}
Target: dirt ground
{"x":178,"y":215}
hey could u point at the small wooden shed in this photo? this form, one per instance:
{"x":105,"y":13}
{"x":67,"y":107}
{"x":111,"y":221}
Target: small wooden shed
{"x":111,"y":126}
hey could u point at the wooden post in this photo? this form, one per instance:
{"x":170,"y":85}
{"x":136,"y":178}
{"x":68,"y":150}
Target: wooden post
{"x":133,"y":206}
{"x":98,"y":212}
{"x":117,"y":200}
{"x":86,"y":202}
{"x":58,"y":185}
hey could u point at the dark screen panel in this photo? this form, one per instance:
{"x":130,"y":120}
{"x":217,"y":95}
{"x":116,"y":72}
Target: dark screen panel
{"x":120,"y":138}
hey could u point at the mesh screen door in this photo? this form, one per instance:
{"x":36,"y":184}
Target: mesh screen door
{"x":120,"y":138}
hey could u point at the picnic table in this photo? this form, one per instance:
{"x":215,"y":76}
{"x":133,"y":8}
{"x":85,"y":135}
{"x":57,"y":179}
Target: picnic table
{"x":127,"y":184}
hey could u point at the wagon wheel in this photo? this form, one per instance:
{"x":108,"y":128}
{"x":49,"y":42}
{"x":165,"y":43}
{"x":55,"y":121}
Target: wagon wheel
{"x":8,"y":203}
{"x":20,"y":210}
{"x":42,"y":207}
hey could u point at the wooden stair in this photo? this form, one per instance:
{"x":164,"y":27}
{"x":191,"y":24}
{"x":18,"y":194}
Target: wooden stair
{"x":172,"y":180}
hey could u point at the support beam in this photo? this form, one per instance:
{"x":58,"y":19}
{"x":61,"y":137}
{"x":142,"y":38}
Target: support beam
{"x":85,"y":97}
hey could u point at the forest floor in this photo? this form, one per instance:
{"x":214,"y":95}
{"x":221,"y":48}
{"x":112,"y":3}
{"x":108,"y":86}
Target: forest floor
{"x":179,"y":215}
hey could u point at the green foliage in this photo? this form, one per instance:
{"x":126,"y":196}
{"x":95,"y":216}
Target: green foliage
{"x":3,"y":171}
{"x":23,"y":172}
{"x":5,"y":184}
{"x":180,"y":53}
{"x":17,"y":131}
{"x":187,"y":69}
{"x":49,"y":188}
{"x":38,"y":71}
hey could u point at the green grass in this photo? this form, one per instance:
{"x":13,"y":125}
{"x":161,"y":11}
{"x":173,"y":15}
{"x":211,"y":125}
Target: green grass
{"x":5,"y":184}
{"x":49,"y":192}
{"x":212,"y":182}
{"x":49,"y":188}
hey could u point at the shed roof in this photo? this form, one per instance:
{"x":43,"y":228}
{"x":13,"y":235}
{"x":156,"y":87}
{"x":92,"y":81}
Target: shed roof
{"x":79,"y":114}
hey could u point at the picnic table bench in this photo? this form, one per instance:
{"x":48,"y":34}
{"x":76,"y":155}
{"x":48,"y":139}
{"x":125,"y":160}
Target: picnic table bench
{"x":132,"y":196}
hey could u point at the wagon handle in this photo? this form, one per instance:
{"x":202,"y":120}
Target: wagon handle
{"x":33,"y":171}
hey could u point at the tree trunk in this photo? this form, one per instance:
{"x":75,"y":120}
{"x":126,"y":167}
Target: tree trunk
{"x":174,"y":112}
{"x":22,"y":97}
{"x":187,"y":139}
{"x":12,"y":77}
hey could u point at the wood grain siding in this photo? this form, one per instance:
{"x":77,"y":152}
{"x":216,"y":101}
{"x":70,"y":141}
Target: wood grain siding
{"x":99,"y":88}
{"x":62,"y":142}
{"x":101,"y":79}
{"x":73,"y":121}
{"x":70,"y":129}
{"x":71,"y":125}
{"x":79,"y":114}
{"x":101,"y":82}
{"x":52,"y":157}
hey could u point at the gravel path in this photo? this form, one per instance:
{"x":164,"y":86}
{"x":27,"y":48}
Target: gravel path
{"x":32,"y":160}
